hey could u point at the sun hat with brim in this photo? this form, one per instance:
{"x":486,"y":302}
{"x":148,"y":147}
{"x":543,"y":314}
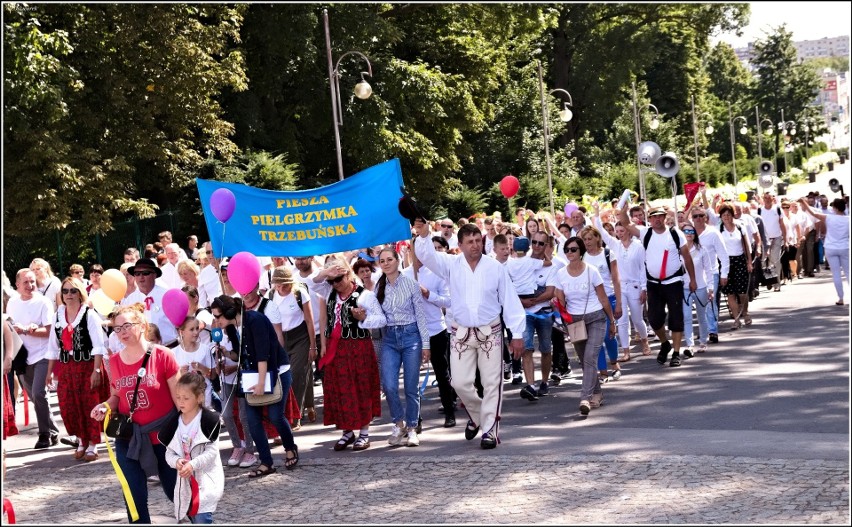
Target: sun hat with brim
{"x":144,"y":264}
{"x":282,"y":276}
{"x":659,"y":211}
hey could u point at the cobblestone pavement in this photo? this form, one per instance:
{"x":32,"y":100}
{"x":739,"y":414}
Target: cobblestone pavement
{"x":755,"y":431}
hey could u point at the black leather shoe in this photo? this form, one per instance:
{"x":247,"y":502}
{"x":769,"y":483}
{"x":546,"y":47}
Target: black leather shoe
{"x":54,"y":439}
{"x":43,"y":442}
{"x":65,"y":440}
{"x":714,"y":338}
{"x":470,"y":430}
{"x":665,"y":348}
{"x":488,"y":441}
{"x":688,"y":353}
{"x":449,"y":421}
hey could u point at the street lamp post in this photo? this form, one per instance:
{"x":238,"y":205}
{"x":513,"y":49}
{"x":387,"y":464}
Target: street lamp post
{"x":707,"y":130}
{"x":760,"y":132}
{"x":655,"y":123}
{"x":807,"y":130}
{"x":784,"y":126}
{"x":362,"y":89}
{"x":565,"y":115}
{"x":732,"y":121}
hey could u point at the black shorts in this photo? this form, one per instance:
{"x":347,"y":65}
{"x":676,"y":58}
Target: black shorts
{"x":662,"y":297}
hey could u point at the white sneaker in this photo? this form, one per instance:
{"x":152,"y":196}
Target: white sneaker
{"x":413,"y":440}
{"x":248,"y":460}
{"x":236,"y":455}
{"x":397,"y":433}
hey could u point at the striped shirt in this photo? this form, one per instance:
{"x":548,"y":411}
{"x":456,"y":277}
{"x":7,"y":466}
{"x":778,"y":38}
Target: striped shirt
{"x":403,"y":305}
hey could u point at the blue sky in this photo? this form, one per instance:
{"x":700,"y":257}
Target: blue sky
{"x":807,"y":21}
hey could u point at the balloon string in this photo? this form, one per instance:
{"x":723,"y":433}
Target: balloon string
{"x":222,"y":255}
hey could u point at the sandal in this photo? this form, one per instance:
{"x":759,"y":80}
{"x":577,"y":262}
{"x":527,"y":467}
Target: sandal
{"x":312,"y":415}
{"x":291,"y":462}
{"x":625,"y":357}
{"x":260,"y":472}
{"x":646,"y":348}
{"x":78,"y":454}
{"x":347,"y":439}
{"x":362,"y":443}
{"x":297,"y":425}
{"x":747,"y":320}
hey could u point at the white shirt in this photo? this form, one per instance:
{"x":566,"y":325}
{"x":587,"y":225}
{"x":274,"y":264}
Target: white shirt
{"x":544,"y":278}
{"x":749,"y":227}
{"x":598,"y":261}
{"x":154,"y":311}
{"x":318,"y":291}
{"x":771,"y":217}
{"x":703,"y":268}
{"x":439,"y":298}
{"x":579,"y":291}
{"x":733,"y":240}
{"x":659,"y":245}
{"x":711,"y":241}
{"x":171,"y":278}
{"x":93,"y":323}
{"x":202,"y":356}
{"x":477,"y":295}
{"x":37,"y":310}
{"x":523,"y":272}
{"x":209,"y":286}
{"x":288,"y":308}
{"x":836,"y":232}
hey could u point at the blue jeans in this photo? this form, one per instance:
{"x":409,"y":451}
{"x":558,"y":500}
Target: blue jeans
{"x":276,"y":417}
{"x":610,"y":344}
{"x":712,"y":309}
{"x":702,"y":303}
{"x":202,"y":517}
{"x":137,"y":481}
{"x":543,"y":325}
{"x":402,"y":346}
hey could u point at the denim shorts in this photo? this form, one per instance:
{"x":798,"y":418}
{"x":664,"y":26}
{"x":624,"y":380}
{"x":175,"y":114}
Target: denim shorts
{"x":543,"y":325}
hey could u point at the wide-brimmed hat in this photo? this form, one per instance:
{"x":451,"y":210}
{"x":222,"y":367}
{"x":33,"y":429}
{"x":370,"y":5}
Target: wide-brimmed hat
{"x":282,"y":276}
{"x":659,"y":211}
{"x":408,"y":208}
{"x":145,"y":264}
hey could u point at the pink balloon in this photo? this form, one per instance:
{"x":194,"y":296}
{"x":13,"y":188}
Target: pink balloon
{"x":570,"y":207}
{"x":175,"y":306}
{"x":244,"y":272}
{"x":222,"y":203}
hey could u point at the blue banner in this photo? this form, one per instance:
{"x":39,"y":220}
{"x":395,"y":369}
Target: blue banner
{"x":360,"y":211}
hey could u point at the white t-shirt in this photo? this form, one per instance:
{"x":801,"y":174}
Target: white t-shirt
{"x":171,"y":278}
{"x":202,"y":356}
{"x":836,"y":232}
{"x":733,"y":240}
{"x":37,"y":310}
{"x":154,"y":311}
{"x":319,"y":291}
{"x":660,"y":245}
{"x":288,"y":307}
{"x":770,"y":218}
{"x":523,"y":272}
{"x":208,"y":286}
{"x":51,"y":290}
{"x":598,"y":261}
{"x":579,"y":291}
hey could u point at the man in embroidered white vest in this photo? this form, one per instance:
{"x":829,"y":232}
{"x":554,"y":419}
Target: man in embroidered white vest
{"x":479,"y":289}
{"x":150,"y":295}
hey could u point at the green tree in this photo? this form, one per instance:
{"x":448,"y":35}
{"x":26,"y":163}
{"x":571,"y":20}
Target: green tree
{"x":110,"y":109}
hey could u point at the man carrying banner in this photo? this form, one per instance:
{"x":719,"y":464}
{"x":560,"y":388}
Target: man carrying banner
{"x":480,"y":289}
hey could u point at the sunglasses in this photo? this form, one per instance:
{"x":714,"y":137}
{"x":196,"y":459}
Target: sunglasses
{"x":688,"y":231}
{"x":536,"y":242}
{"x":446,"y":226}
{"x":337,"y":280}
{"x":698,"y":216}
{"x":143,"y":273}
{"x":787,"y":207}
{"x":571,"y":249}
{"x":77,"y":272}
{"x":220,"y":315}
{"x":69,"y":291}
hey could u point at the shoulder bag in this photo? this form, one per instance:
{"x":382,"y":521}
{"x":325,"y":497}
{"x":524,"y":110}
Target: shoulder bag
{"x":577,"y":330}
{"x":120,"y":426}
{"x":267,"y":398}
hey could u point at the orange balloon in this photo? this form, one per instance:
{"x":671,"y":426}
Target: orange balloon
{"x":114,"y":284}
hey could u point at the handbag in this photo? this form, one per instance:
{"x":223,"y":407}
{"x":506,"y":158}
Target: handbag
{"x":267,"y":398}
{"x":120,"y":426}
{"x":577,"y":330}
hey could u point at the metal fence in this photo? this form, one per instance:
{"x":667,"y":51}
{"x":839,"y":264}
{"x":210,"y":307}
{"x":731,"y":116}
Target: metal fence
{"x":61,"y":248}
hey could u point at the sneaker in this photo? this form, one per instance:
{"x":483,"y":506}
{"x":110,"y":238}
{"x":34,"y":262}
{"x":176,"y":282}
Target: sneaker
{"x":529,"y":393}
{"x":397,"y":434}
{"x":597,"y":400}
{"x":702,"y":348}
{"x":413,"y":440}
{"x":585,"y":408}
{"x":675,"y":360}
{"x":665,"y":348}
{"x":517,"y":378}
{"x":714,"y":338}
{"x":236,"y":455}
{"x":616,"y":375}
{"x":507,"y":371}
{"x":688,"y":353}
{"x":248,"y":460}
{"x":543,"y":389}
{"x":555,"y":378}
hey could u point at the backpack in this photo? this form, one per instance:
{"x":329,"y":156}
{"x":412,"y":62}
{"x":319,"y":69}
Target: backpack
{"x":647,"y":240}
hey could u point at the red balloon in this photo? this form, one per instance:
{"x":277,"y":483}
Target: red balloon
{"x":510,"y":186}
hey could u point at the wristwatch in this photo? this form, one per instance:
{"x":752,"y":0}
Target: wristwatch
{"x":97,"y":370}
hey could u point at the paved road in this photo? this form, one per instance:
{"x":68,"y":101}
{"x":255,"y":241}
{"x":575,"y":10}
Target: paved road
{"x":756,"y":430}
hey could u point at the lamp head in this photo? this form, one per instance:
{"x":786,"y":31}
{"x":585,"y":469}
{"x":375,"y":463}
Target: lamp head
{"x":655,"y":123}
{"x":793,"y":131}
{"x":743,"y":130}
{"x":363,"y":90}
{"x":566,"y":114}
{"x":709,"y":129}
